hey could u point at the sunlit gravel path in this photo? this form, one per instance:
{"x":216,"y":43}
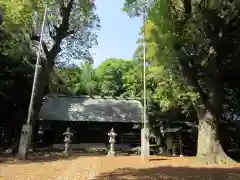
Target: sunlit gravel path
{"x":115,"y":168}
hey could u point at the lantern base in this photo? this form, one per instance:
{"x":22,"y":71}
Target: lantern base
{"x":112,"y":153}
{"x":25,"y":141}
{"x":65,"y":153}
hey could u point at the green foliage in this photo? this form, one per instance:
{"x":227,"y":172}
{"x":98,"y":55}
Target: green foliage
{"x":78,"y":80}
{"x":167,"y":90}
{"x":74,"y":29}
{"x":133,"y":81}
{"x":17,"y":26}
{"x":15,"y":89}
{"x":111,"y":74}
{"x":62,"y":80}
{"x":198,"y":50}
{"x":86,"y":80}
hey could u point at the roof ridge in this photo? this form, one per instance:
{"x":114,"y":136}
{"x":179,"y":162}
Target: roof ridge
{"x":94,"y":97}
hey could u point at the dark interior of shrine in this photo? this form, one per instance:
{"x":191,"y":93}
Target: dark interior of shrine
{"x":86,"y":132}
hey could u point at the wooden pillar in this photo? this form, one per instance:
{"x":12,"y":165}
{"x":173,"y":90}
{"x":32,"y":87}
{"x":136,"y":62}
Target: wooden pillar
{"x":174,"y":147}
{"x":181,"y":145}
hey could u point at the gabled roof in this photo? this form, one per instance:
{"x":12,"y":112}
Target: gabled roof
{"x":96,"y":108}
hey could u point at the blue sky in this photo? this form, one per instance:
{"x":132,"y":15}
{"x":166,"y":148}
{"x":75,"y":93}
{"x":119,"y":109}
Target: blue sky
{"x":118,"y":34}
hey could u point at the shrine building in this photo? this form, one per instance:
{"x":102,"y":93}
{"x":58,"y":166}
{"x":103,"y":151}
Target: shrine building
{"x":90,"y":119}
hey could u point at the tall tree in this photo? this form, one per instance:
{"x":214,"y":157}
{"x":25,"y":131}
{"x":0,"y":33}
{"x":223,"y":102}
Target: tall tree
{"x":190,"y":36}
{"x":70,"y":29}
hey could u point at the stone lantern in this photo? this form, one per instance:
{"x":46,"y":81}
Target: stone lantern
{"x":67,"y":139}
{"x":112,"y":141}
{"x":40,"y":133}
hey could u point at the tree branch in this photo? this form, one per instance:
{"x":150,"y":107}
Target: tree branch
{"x":50,"y":32}
{"x":44,"y":46}
{"x":62,"y":30}
{"x":187,"y":7}
{"x":187,"y":10}
{"x":190,"y":75}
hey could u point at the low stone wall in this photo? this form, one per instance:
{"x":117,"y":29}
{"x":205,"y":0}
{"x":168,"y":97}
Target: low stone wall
{"x":91,"y":145}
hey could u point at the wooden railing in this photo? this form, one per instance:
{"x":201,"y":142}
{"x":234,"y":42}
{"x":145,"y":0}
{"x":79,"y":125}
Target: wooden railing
{"x":131,"y":138}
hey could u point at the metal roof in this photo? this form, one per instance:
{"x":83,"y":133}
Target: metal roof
{"x":172,"y":130}
{"x":96,"y":108}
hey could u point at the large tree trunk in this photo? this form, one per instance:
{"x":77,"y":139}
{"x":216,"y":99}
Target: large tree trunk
{"x":209,"y":149}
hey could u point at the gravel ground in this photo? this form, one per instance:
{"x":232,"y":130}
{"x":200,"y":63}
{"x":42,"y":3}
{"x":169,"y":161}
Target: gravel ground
{"x":113,"y":168}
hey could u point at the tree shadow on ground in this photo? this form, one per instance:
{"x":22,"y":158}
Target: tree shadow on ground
{"x":37,"y":157}
{"x":49,"y":155}
{"x":172,"y":173}
{"x":158,"y":159}
{"x":45,"y":157}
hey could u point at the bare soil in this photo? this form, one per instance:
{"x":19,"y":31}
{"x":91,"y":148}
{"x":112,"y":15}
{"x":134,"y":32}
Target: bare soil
{"x":86,"y":167}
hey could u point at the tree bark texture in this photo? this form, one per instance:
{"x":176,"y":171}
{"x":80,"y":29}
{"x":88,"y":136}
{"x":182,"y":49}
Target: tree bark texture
{"x":208,"y":108}
{"x":209,"y":148}
{"x":209,"y":87}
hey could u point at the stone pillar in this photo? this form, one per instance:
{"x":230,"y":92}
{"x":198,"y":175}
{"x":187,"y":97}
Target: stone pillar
{"x":169,"y":141}
{"x":112,"y":141}
{"x":174,"y":148}
{"x":67,"y":139}
{"x":181,"y":146}
{"x":145,"y":149}
{"x":24,"y":142}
